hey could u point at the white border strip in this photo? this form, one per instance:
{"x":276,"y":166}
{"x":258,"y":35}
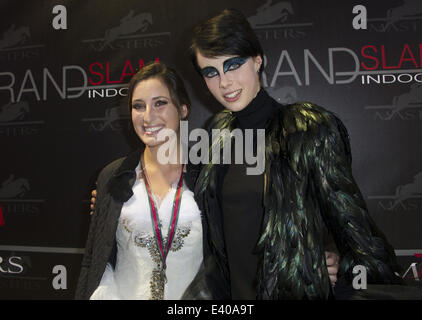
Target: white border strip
{"x":409,"y":252}
{"x":43,"y":249}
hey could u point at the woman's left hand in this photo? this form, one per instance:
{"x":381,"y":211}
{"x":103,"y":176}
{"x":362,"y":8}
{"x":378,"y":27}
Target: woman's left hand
{"x":332,"y":261}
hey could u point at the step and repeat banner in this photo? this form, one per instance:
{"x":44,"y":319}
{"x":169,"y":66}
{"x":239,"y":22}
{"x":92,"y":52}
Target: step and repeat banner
{"x":64,"y":67}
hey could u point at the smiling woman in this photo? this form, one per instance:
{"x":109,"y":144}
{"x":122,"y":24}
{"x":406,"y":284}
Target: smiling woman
{"x":154,"y":110}
{"x":274,"y":235}
{"x":145,"y":238}
{"x":233,"y":80}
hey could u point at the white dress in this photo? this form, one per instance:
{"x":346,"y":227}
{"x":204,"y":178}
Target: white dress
{"x":138,"y":254}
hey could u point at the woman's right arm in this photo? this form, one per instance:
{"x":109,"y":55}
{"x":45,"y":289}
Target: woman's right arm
{"x":99,"y":207}
{"x":86,"y":261}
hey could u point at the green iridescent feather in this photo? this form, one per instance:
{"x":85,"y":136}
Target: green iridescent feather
{"x":308,"y":183}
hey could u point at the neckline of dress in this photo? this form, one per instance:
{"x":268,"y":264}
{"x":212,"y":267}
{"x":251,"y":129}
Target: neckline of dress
{"x":158,"y":200}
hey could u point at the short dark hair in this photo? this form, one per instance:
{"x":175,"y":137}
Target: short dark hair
{"x":227,"y":33}
{"x":168,"y":76}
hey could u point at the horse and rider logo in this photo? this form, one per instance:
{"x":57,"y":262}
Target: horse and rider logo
{"x":408,"y":11}
{"x":412,"y":190}
{"x":409,"y":190}
{"x":17,"y":38}
{"x":13,"y":111}
{"x":271,"y":14}
{"x":128,"y":25}
{"x":274,"y":20}
{"x":13,"y":188}
{"x":408,"y":100}
{"x":14,"y":36}
{"x":131,"y":27}
{"x":115,"y":119}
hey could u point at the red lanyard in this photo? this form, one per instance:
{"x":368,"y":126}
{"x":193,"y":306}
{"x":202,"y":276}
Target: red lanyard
{"x":165,"y":248}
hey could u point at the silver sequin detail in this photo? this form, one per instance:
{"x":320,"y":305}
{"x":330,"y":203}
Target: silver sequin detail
{"x":158,"y":281}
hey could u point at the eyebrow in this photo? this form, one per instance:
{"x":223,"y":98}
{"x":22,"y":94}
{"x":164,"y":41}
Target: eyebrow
{"x":226,"y":63}
{"x":154,"y":98}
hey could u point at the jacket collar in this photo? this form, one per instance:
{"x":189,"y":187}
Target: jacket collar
{"x":122,"y":180}
{"x":129,"y":163}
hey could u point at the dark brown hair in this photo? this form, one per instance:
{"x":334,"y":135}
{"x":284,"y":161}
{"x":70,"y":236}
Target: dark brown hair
{"x":228,"y":33}
{"x":168,"y":76}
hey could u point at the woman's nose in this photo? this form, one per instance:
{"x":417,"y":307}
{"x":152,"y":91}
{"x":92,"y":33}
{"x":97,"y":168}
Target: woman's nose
{"x":148,"y":114}
{"x":225,"y":81}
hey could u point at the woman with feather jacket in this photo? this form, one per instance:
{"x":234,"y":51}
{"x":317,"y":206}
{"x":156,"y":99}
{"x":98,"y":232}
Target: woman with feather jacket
{"x":266,"y":232}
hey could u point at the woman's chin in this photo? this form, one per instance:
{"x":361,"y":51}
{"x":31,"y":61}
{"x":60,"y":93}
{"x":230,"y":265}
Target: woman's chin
{"x":153,"y":142}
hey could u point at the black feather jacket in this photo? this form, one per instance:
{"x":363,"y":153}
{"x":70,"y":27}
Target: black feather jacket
{"x":308,"y":186}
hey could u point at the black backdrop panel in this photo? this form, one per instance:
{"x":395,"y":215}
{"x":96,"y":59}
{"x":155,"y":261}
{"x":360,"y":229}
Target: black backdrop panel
{"x":63,"y":112}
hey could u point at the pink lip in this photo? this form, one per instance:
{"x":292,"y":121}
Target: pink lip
{"x":152,"y":133}
{"x":235,"y":98}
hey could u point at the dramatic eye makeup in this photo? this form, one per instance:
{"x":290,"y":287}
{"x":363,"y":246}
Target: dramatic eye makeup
{"x":233,"y":63}
{"x":228,"y":65}
{"x":209,"y":72}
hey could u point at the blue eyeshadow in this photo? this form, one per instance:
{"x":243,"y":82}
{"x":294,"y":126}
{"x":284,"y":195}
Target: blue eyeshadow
{"x":207,"y":70}
{"x":235,"y":60}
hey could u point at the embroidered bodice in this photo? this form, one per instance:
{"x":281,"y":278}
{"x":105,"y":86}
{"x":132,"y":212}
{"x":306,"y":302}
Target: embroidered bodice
{"x":136,"y":275}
